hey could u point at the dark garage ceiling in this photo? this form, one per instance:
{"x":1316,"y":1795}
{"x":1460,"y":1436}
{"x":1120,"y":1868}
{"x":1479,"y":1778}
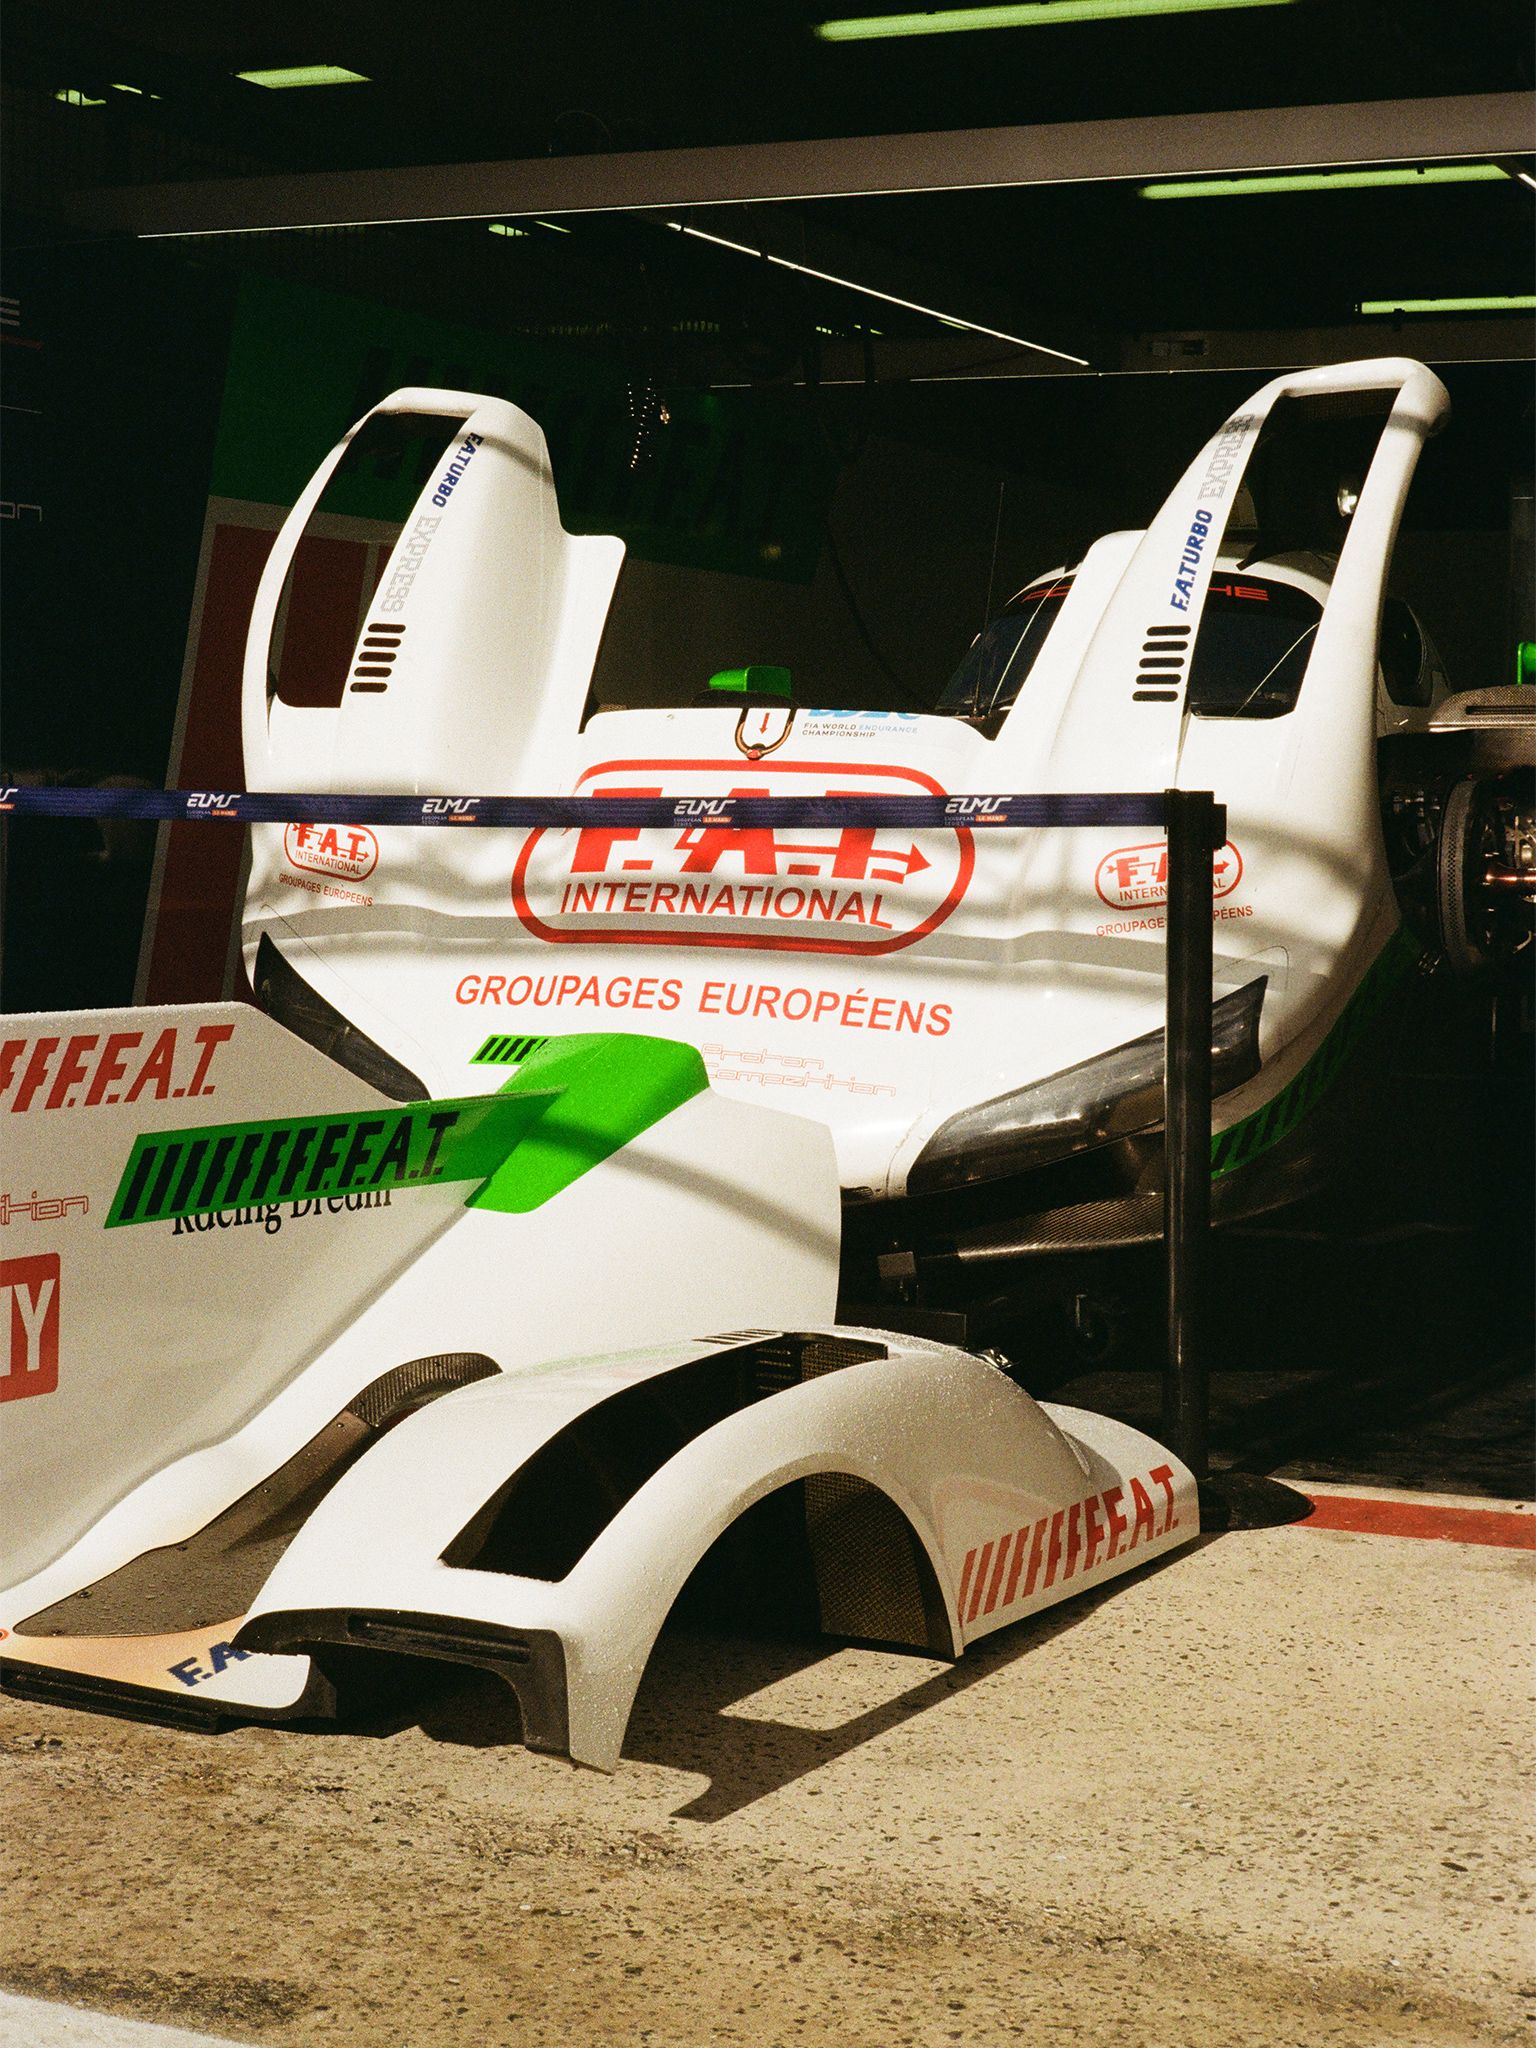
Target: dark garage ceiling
{"x":1082,"y":267}
{"x":471,"y":79}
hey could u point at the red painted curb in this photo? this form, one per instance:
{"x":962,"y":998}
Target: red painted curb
{"x":1420,"y":1518}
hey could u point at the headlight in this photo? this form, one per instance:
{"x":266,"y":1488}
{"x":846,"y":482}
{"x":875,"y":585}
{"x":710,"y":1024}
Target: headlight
{"x":1110,"y":1096}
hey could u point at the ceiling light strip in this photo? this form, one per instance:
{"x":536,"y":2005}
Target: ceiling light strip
{"x":949,"y":21}
{"x":1519,"y":302}
{"x":302,"y":75}
{"x":886,"y":298}
{"x":1325,"y":181}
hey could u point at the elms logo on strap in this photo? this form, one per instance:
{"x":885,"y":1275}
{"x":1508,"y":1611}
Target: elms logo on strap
{"x":29,"y":1326}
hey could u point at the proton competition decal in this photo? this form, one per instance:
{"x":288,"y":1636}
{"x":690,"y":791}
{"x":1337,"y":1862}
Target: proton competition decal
{"x":29,"y":1326}
{"x":849,"y":889}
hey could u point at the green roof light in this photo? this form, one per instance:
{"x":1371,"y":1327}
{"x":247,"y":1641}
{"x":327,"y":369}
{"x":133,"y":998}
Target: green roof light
{"x":72,"y":96}
{"x":303,"y":74}
{"x":759,"y":680}
{"x":949,"y":21}
{"x":1324,"y":181}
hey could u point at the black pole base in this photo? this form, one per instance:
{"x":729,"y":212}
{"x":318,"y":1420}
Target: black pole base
{"x":1248,"y":1500}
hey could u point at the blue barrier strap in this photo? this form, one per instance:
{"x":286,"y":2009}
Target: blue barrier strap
{"x":263,"y":807}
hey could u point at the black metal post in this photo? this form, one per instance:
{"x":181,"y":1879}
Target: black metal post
{"x":1196,"y":826}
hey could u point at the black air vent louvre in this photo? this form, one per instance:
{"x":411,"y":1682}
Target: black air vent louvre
{"x":1164,"y":653}
{"x":376,"y":656}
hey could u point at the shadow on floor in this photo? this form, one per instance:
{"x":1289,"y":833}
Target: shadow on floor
{"x":682,"y":1720}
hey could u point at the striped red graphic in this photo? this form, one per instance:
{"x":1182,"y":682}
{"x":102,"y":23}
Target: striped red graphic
{"x":1071,"y":1542}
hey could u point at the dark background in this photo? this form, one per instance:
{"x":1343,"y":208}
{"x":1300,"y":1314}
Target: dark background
{"x":954,"y":471}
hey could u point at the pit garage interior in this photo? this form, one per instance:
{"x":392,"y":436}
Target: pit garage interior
{"x":851,"y":327}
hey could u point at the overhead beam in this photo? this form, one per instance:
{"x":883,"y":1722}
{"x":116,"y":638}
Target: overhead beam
{"x":959,"y":359}
{"x":1077,"y":152}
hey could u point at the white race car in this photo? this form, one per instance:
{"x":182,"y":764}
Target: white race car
{"x":976,"y":1015}
{"x":473,"y":1305}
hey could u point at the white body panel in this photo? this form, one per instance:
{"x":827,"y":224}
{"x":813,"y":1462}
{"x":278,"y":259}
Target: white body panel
{"x":170,"y":1376}
{"x":183,"y":1366}
{"x":992,"y":1486}
{"x":881,"y":983}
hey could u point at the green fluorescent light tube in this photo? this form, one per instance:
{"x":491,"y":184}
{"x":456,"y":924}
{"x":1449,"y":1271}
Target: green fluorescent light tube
{"x":949,"y":21}
{"x":303,"y":74}
{"x":1521,"y":302}
{"x":1324,"y":181}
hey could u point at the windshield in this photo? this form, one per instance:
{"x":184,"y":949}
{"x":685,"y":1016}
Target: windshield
{"x":1003,"y":653}
{"x":1255,"y":640}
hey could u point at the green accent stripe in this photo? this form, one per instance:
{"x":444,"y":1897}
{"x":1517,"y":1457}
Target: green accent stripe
{"x":572,"y":1103}
{"x":295,"y":1159}
{"x":504,"y":1049}
{"x":1241,"y":1143}
{"x":611,"y":1088}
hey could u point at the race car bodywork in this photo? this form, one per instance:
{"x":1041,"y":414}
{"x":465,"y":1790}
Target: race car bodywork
{"x":962,"y":1009}
{"x":295,"y":1375}
{"x":201,"y":1294}
{"x":936,"y":1501}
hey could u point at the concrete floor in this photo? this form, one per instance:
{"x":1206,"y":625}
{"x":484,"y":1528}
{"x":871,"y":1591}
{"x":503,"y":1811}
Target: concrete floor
{"x":1275,"y":1792}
